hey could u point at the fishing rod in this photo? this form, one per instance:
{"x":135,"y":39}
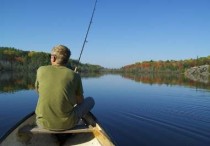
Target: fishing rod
{"x":85,"y":40}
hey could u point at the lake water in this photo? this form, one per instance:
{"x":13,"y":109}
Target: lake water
{"x":135,"y":110}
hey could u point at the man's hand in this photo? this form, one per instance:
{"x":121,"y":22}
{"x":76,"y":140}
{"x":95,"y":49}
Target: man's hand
{"x":79,"y":99}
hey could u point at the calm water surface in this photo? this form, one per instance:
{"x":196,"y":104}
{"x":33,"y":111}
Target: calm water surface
{"x":133,"y":112}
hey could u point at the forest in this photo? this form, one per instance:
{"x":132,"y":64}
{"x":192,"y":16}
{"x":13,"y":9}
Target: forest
{"x":169,"y":66}
{"x":12,"y":59}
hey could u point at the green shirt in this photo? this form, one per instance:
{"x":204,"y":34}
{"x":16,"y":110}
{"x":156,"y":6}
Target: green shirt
{"x":58,"y":87}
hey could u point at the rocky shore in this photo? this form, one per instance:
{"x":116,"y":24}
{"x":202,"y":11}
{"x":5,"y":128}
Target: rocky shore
{"x":199,"y":73}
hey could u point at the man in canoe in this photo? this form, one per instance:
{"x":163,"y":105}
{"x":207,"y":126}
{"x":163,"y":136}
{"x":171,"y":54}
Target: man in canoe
{"x":61,"y":103}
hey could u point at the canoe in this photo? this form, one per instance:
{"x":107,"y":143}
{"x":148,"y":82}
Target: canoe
{"x":86,"y":132}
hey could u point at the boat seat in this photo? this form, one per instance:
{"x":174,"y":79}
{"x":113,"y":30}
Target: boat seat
{"x":36,"y":130}
{"x":77,"y":129}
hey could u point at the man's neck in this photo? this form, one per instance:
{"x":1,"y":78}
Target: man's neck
{"x":54,"y":63}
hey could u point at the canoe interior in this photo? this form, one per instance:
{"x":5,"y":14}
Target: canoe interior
{"x":19,"y":137}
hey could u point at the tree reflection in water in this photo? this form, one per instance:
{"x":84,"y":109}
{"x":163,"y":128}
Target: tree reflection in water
{"x":15,"y":81}
{"x":167,"y":79}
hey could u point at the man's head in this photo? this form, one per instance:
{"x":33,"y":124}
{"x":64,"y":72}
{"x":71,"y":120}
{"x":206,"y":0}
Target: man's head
{"x":60,"y":55}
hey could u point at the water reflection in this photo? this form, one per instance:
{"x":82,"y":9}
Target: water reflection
{"x":204,"y":78}
{"x":91,"y":75}
{"x":15,"y":81}
{"x":167,"y":79}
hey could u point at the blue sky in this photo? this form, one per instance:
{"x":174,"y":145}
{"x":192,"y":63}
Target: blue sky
{"x":123,"y":31}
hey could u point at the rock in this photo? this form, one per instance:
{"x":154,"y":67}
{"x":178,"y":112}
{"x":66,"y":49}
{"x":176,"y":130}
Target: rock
{"x":198,"y":73}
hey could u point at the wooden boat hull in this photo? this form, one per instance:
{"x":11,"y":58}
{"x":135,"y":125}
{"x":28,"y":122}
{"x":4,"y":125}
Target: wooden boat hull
{"x":25,"y":133}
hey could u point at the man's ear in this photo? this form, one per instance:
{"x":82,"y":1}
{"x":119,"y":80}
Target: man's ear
{"x":53,"y":59}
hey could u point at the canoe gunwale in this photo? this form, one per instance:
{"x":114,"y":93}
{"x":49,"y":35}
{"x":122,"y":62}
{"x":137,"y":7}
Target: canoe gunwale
{"x":109,"y":136}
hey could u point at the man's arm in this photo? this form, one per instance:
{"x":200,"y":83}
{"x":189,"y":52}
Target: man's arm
{"x":79,"y":99}
{"x":37,"y":82}
{"x":37,"y":86}
{"x":79,"y":90}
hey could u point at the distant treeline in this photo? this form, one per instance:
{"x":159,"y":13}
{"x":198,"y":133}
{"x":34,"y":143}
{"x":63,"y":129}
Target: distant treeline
{"x":166,"y":66}
{"x":12,"y":59}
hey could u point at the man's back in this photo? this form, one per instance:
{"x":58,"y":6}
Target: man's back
{"x":58,"y":87}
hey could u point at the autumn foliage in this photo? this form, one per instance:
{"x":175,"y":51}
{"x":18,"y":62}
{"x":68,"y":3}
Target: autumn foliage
{"x":12,"y":59}
{"x":166,"y":66}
